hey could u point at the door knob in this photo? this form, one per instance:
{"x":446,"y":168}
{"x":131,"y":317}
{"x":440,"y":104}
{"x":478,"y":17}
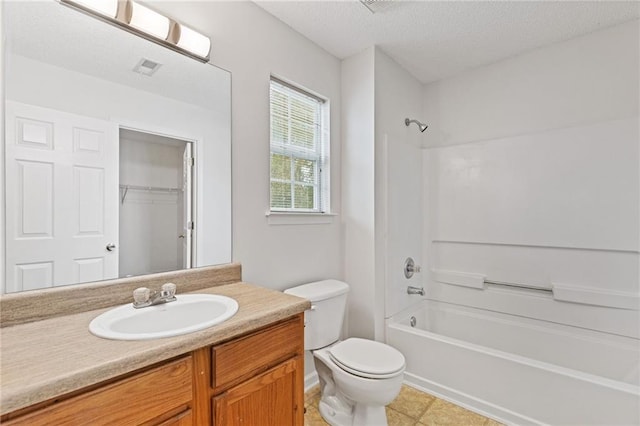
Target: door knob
{"x":111,"y":247}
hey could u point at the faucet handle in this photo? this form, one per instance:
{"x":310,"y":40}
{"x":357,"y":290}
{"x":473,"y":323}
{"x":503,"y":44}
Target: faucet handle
{"x":141,"y":295}
{"x":410,"y":268}
{"x":169,"y":289}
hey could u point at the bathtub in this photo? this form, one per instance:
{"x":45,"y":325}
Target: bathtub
{"x":519,"y":370}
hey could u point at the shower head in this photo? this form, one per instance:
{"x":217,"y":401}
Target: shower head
{"x":421,"y":126}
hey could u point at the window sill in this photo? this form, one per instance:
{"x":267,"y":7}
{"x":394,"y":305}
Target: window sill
{"x":294,"y":218}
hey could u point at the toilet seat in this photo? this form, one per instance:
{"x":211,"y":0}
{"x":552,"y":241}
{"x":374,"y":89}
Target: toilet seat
{"x":367,"y":358}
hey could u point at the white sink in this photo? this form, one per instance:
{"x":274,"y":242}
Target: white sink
{"x":189,"y":313}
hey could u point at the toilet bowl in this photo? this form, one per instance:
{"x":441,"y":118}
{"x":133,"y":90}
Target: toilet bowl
{"x":358,"y":377}
{"x":353,"y":397}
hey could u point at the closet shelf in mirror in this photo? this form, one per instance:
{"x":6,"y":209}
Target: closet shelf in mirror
{"x":126,"y":188}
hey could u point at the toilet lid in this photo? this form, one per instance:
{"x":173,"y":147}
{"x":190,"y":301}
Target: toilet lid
{"x":367,"y":358}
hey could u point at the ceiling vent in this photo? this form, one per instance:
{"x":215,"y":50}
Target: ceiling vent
{"x":146,"y":67}
{"x":376,"y":6}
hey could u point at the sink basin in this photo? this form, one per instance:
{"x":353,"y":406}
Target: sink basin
{"x":189,"y":313}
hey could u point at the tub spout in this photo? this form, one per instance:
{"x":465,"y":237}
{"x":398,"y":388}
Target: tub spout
{"x":415,"y":290}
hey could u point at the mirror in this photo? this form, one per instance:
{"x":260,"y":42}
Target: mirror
{"x":117,"y":152}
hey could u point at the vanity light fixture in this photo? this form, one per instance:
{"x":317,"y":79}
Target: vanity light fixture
{"x":145,"y":22}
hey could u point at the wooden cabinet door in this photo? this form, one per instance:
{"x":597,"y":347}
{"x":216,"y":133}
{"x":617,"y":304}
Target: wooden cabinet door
{"x":270,"y":399}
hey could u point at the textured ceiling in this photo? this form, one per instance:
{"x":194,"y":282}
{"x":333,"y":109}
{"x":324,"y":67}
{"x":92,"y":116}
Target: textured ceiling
{"x":437,"y":39}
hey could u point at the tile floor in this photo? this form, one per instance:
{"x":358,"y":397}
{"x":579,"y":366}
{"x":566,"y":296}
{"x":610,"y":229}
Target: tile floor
{"x":410,"y":408}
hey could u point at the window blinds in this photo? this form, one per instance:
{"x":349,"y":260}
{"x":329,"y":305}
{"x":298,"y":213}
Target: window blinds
{"x":299,"y":148}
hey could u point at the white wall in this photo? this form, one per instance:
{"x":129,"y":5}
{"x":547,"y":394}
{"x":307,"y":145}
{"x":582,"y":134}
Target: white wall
{"x":358,"y":191}
{"x":382,"y":197}
{"x":252,"y":45}
{"x":398,"y":185}
{"x":532,"y":176}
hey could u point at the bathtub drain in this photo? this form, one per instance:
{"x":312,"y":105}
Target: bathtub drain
{"x":412,"y":321}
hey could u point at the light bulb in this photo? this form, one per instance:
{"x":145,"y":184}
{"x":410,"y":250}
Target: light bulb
{"x":194,"y":42}
{"x":149,"y":21}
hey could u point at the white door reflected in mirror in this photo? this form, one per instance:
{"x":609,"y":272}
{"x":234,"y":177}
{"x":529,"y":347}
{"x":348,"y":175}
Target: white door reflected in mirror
{"x":60,"y":171}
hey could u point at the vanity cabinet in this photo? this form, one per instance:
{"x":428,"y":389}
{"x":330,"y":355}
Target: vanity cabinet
{"x":255,"y":379}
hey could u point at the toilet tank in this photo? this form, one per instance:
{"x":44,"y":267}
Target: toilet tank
{"x":323,"y":322}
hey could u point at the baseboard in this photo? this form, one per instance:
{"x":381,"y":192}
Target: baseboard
{"x":310,"y":380}
{"x":469,"y":402}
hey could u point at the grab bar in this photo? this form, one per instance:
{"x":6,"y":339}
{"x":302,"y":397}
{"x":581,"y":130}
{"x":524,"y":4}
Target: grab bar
{"x":518,"y":285}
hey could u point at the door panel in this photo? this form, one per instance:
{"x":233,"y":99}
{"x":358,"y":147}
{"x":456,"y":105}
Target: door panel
{"x":34,"y":134}
{"x":89,"y":201}
{"x":87,"y":270}
{"x":88,"y":142}
{"x":34,"y":206}
{"x":34,"y":275}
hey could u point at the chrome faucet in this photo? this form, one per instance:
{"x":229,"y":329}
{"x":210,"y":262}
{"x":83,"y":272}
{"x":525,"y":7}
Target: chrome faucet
{"x":415,"y":290}
{"x":143,"y":297}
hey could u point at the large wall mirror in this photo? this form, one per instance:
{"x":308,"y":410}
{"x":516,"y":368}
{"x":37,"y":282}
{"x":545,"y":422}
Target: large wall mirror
{"x":117,"y":152}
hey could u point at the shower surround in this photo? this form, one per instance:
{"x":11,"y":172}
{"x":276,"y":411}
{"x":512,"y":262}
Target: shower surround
{"x":521,"y":202}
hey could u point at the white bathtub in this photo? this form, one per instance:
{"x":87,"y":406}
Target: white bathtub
{"x":519,"y":370}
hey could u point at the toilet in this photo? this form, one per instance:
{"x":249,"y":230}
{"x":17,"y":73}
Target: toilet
{"x":358,"y":377}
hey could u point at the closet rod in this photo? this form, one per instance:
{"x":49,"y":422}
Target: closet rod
{"x":146,"y":188}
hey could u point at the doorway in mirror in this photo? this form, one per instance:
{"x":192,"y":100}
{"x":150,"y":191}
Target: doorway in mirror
{"x":156,"y":203}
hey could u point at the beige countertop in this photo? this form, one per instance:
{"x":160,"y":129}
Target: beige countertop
{"x":44,"y":359}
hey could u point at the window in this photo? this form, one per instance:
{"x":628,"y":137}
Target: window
{"x":299,"y":150}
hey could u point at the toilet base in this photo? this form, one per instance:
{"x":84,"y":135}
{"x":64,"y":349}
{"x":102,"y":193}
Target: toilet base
{"x":368,"y":415}
{"x":362,"y":415}
{"x":335,"y":417}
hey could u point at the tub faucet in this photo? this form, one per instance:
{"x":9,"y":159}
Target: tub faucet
{"x":143,"y":297}
{"x":415,"y":290}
